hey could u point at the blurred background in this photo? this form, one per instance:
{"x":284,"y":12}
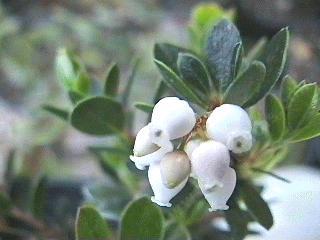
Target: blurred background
{"x":101,"y":32}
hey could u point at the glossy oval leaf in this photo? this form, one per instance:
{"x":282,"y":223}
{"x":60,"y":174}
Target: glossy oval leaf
{"x":310,"y":130}
{"x":274,"y":58}
{"x":275,"y":115}
{"x":98,"y":116}
{"x":176,"y":83}
{"x":256,"y":205}
{"x":112,"y":81}
{"x":220,"y":53}
{"x":245,"y":84}
{"x":90,"y":225}
{"x":288,"y":88}
{"x":302,"y":106}
{"x":142,"y":220}
{"x":193,"y":72}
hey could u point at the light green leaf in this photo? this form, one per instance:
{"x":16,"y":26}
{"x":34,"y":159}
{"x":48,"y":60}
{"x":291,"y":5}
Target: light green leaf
{"x":112,"y":81}
{"x":145,"y":107}
{"x":221,"y":48}
{"x":288,"y":88}
{"x":60,"y":113}
{"x":98,"y":116}
{"x":274,"y":58}
{"x":90,"y":225}
{"x":256,"y":205}
{"x":142,"y":220}
{"x":310,"y":130}
{"x":242,"y":88}
{"x":175,"y":82}
{"x":193,"y":72}
{"x":275,"y":115}
{"x":302,"y":106}
{"x":168,"y":54}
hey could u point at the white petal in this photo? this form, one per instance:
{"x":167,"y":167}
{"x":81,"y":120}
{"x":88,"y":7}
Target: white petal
{"x":239,"y":141}
{"x":209,"y":162}
{"x":227,"y":120}
{"x":174,"y":116}
{"x":189,"y":148}
{"x":218,"y":196}
{"x":143,"y":144}
{"x":162,"y":194}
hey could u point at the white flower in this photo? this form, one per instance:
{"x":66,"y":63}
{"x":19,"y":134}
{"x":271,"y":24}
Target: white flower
{"x":175,"y":167}
{"x":174,"y":116}
{"x":217,"y":197}
{"x":189,"y":148}
{"x":150,"y":146}
{"x":230,"y":125}
{"x":162,"y":194}
{"x":209,"y":162}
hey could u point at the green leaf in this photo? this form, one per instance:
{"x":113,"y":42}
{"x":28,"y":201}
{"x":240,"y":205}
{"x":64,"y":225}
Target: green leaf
{"x":275,"y":115}
{"x":237,"y":220}
{"x":112,"y":81}
{"x":271,"y":174}
{"x":256,"y":205}
{"x":126,"y":93}
{"x":98,"y":116}
{"x":142,"y":220}
{"x":193,"y":72}
{"x":274,"y":58}
{"x":245,"y":84}
{"x":90,"y":225}
{"x":5,"y":203}
{"x":75,"y":96}
{"x":237,"y":59}
{"x":288,"y":88}
{"x":39,"y":198}
{"x":302,"y":106}
{"x":310,"y":130}
{"x":58,"y":112}
{"x":161,"y":89}
{"x":221,"y":48}
{"x":168,"y":54}
{"x":175,"y":82}
{"x":257,"y":49}
{"x":145,"y":107}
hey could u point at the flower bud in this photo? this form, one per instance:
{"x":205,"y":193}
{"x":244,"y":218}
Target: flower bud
{"x":174,"y":116}
{"x":150,"y":146}
{"x":174,"y":168}
{"x":162,"y":194}
{"x":143,"y":145}
{"x":217,"y":197}
{"x":230,"y":125}
{"x":189,"y":148}
{"x":209,"y":162}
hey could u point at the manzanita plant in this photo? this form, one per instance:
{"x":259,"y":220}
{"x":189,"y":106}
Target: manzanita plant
{"x":206,"y":139}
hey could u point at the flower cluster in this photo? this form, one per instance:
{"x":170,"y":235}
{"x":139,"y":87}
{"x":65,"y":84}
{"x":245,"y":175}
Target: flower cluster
{"x":206,"y":157}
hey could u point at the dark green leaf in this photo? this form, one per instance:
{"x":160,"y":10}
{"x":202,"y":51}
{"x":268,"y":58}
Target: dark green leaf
{"x":75,"y":96}
{"x":5,"y":203}
{"x":302,"y":106}
{"x":175,"y":82}
{"x":237,"y":59}
{"x":237,"y":220}
{"x":112,"y":81}
{"x":288,"y":88}
{"x":168,"y":54}
{"x":9,"y":173}
{"x":90,"y":225}
{"x":145,"y":107}
{"x":256,"y":51}
{"x":142,"y":220}
{"x":98,"y":116}
{"x":256,"y":205}
{"x":275,"y":116}
{"x":245,"y":84}
{"x":274,"y":58}
{"x":176,"y":231}
{"x":310,"y":130}
{"x":60,"y":113}
{"x":221,"y":48}
{"x":39,"y":198}
{"x":193,"y":72}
